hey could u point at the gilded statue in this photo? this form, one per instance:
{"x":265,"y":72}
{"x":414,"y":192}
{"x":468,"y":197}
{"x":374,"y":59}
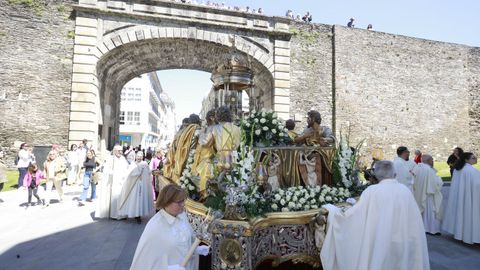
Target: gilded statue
{"x":204,"y":153}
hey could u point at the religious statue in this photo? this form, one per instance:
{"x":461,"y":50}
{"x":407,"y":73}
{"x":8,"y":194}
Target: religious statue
{"x":272,"y":171}
{"x":310,"y":163}
{"x":319,"y":136}
{"x":225,"y":136}
{"x":202,"y":166}
{"x":315,"y":134}
{"x":187,"y":140}
{"x":170,"y":162}
{"x":290,"y":125}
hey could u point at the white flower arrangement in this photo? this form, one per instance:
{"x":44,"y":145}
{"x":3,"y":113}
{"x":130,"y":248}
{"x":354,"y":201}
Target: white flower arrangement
{"x":186,"y":182}
{"x":263,"y":128}
{"x":306,"y":198}
{"x":345,"y":170}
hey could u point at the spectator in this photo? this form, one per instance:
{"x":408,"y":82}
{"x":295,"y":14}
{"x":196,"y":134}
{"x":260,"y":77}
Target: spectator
{"x":307,"y":17}
{"x":370,"y":27}
{"x":24,"y":158}
{"x":350,"y":23}
{"x":298,"y":18}
{"x":289,"y":14}
{"x":32,"y":180}
{"x":54,"y":173}
{"x":260,"y":11}
{"x":73,"y":165}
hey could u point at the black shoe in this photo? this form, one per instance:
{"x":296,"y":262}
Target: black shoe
{"x":139,"y":220}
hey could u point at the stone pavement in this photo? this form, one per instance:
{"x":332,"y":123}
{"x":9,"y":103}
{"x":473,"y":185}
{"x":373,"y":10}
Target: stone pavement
{"x":65,"y":236}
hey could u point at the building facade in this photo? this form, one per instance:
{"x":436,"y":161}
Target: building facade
{"x":146,"y":113}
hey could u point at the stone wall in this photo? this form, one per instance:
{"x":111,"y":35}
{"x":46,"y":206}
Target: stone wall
{"x":36,"y":49}
{"x":311,"y":72}
{"x":395,"y":90}
{"x":388,"y":90}
{"x":473,"y":68}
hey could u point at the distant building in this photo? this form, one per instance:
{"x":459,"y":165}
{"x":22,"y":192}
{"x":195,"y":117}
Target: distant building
{"x":146,"y":113}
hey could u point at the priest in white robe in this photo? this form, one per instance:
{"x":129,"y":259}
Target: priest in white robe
{"x":404,"y":167}
{"x":136,"y":198}
{"x":462,"y":214}
{"x":427,"y":192}
{"x":114,"y":172}
{"x":383,"y":230}
{"x":168,"y":236}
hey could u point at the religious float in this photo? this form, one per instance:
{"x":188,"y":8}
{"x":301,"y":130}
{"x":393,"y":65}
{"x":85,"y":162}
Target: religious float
{"x":255,"y":193}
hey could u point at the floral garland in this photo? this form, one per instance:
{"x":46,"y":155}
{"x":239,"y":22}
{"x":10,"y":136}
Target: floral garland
{"x":264,"y":128}
{"x":306,"y":198}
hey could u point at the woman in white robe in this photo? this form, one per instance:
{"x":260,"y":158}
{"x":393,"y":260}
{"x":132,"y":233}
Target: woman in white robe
{"x":113,"y":176}
{"x":136,"y":198}
{"x":462,"y":214}
{"x":168,"y":236}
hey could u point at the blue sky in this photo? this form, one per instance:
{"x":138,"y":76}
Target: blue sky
{"x":443,"y":20}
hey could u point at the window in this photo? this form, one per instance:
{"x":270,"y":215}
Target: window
{"x":137,"y":118}
{"x":122,"y":118}
{"x":138,"y":94}
{"x":129,"y":117}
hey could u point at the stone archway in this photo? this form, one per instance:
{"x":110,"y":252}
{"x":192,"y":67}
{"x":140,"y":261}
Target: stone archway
{"x":115,"y":46}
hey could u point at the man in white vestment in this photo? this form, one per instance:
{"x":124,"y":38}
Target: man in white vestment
{"x":462,"y":214}
{"x":427,"y":192}
{"x":404,"y":167}
{"x":136,"y":198}
{"x":383,"y":230}
{"x":114,"y":172}
{"x":168,"y":236}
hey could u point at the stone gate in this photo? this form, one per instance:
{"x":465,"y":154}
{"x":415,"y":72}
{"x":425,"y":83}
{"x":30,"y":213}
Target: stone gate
{"x":118,"y":40}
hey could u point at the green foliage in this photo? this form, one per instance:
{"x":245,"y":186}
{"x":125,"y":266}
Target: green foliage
{"x":12,"y":179}
{"x":216,"y":202}
{"x":310,"y":37}
{"x":38,"y":6}
{"x":71,"y":34}
{"x":61,"y":8}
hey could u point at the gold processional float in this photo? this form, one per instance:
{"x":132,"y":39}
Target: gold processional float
{"x":241,"y":242}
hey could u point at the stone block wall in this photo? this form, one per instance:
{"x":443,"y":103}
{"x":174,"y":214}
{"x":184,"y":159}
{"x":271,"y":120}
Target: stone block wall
{"x":36,"y":49}
{"x":388,"y":90}
{"x":395,"y":90}
{"x":311,"y":72}
{"x":473,"y":68}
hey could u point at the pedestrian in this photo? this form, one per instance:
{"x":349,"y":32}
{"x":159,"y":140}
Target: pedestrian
{"x":90,"y":165}
{"x":32,"y":180}
{"x":54,"y":173}
{"x":73,"y":165}
{"x":24,"y":158}
{"x":370,"y":27}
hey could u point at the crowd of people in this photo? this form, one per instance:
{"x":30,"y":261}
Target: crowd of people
{"x":221,"y":5}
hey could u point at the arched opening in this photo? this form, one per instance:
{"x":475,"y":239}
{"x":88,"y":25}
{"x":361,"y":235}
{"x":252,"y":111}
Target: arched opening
{"x":125,"y":62}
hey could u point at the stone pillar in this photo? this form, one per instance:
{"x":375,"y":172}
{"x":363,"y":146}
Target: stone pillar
{"x":85,"y":102}
{"x":281,"y":92}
